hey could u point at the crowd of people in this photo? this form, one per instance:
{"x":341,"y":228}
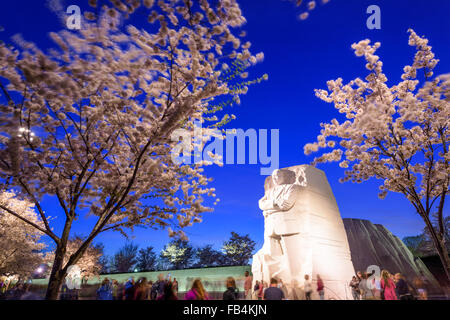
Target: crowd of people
{"x":17,"y":291}
{"x":142,"y":289}
{"x":277,"y":290}
{"x":366,"y":286}
{"x":167,"y":289}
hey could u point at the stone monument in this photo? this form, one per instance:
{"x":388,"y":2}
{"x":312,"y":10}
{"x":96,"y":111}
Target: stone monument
{"x":303,"y":234}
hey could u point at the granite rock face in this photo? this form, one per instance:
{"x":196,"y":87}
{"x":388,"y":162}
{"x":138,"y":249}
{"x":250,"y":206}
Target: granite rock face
{"x":303,"y":235}
{"x":373,"y":244}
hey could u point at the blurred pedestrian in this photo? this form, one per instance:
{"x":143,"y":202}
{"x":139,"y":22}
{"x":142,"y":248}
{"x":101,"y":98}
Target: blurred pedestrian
{"x":262,"y":288}
{"x":159,"y":286}
{"x":273,"y":292}
{"x":105,"y":291}
{"x":115,"y":289}
{"x":169,"y":293}
{"x":248,"y":286}
{"x":28,"y":294}
{"x":365,"y":287}
{"x":175,"y":287}
{"x":387,"y":286}
{"x":197,"y":291}
{"x":283,"y":288}
{"x":307,"y":287}
{"x":256,"y":290}
{"x":129,"y":289}
{"x":354,"y":285}
{"x":154,"y":290}
{"x":376,"y":286}
{"x":141,"y":291}
{"x":359,"y":276}
{"x":320,"y":288}
{"x":231,"y":293}
{"x":402,"y":288}
{"x":421,"y":288}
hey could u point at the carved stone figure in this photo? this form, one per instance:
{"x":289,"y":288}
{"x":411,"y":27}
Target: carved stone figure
{"x":303,"y":234}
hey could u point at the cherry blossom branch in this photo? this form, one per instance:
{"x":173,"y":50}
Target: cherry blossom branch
{"x":6,"y":93}
{"x":41,"y":212}
{"x":27,"y":221}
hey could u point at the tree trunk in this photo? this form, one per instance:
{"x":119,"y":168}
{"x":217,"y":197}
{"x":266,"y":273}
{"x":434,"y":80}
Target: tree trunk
{"x":439,"y":244}
{"x":57,"y":276}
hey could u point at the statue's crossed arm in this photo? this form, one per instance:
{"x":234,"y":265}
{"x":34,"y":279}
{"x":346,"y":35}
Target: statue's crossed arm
{"x":280,"y":198}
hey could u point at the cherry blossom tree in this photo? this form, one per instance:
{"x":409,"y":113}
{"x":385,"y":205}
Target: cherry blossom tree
{"x":89,"y":122}
{"x":89,"y":263}
{"x":21,"y":249}
{"x":399,"y":133}
{"x":309,"y":6}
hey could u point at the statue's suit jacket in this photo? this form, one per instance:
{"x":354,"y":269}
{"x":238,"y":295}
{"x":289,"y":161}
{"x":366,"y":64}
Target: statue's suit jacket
{"x":283,"y":217}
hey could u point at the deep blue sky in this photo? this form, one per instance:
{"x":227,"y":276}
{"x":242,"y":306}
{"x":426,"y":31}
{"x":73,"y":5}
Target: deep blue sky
{"x":299,"y":57}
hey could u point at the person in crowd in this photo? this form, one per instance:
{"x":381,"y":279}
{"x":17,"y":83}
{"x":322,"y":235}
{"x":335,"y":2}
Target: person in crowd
{"x":402,"y":288}
{"x":283,"y":287}
{"x":105,"y":292}
{"x":19,"y":290}
{"x":160,"y":283}
{"x":256,"y":290}
{"x":307,"y":288}
{"x":28,"y":294}
{"x":262,"y":288}
{"x":387,"y":286}
{"x":392,"y":276}
{"x":376,"y":286}
{"x":65,"y":292}
{"x":3,"y":285}
{"x":359,"y":275}
{"x":273,"y":292}
{"x":154,"y":290}
{"x":426,"y":285}
{"x":248,"y":286}
{"x":129,"y":289}
{"x":150,"y":288}
{"x":425,"y":281}
{"x":231,"y":293}
{"x":364,"y":288}
{"x":175,"y":287}
{"x":141,"y":289}
{"x":320,"y":288}
{"x":115,"y":289}
{"x":421,"y":288}
{"x":169,"y":293}
{"x":354,"y":285}
{"x":197,"y":292}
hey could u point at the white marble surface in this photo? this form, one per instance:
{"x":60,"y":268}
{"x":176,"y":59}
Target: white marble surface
{"x":303,"y":234}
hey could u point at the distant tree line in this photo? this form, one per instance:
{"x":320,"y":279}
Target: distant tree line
{"x":179,"y":254}
{"x":422,"y":245}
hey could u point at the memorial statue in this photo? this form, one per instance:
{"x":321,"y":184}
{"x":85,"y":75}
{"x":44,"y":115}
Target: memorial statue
{"x":303,"y":234}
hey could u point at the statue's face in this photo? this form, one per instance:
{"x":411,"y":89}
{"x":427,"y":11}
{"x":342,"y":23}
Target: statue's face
{"x":276,"y":177}
{"x":283,"y":177}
